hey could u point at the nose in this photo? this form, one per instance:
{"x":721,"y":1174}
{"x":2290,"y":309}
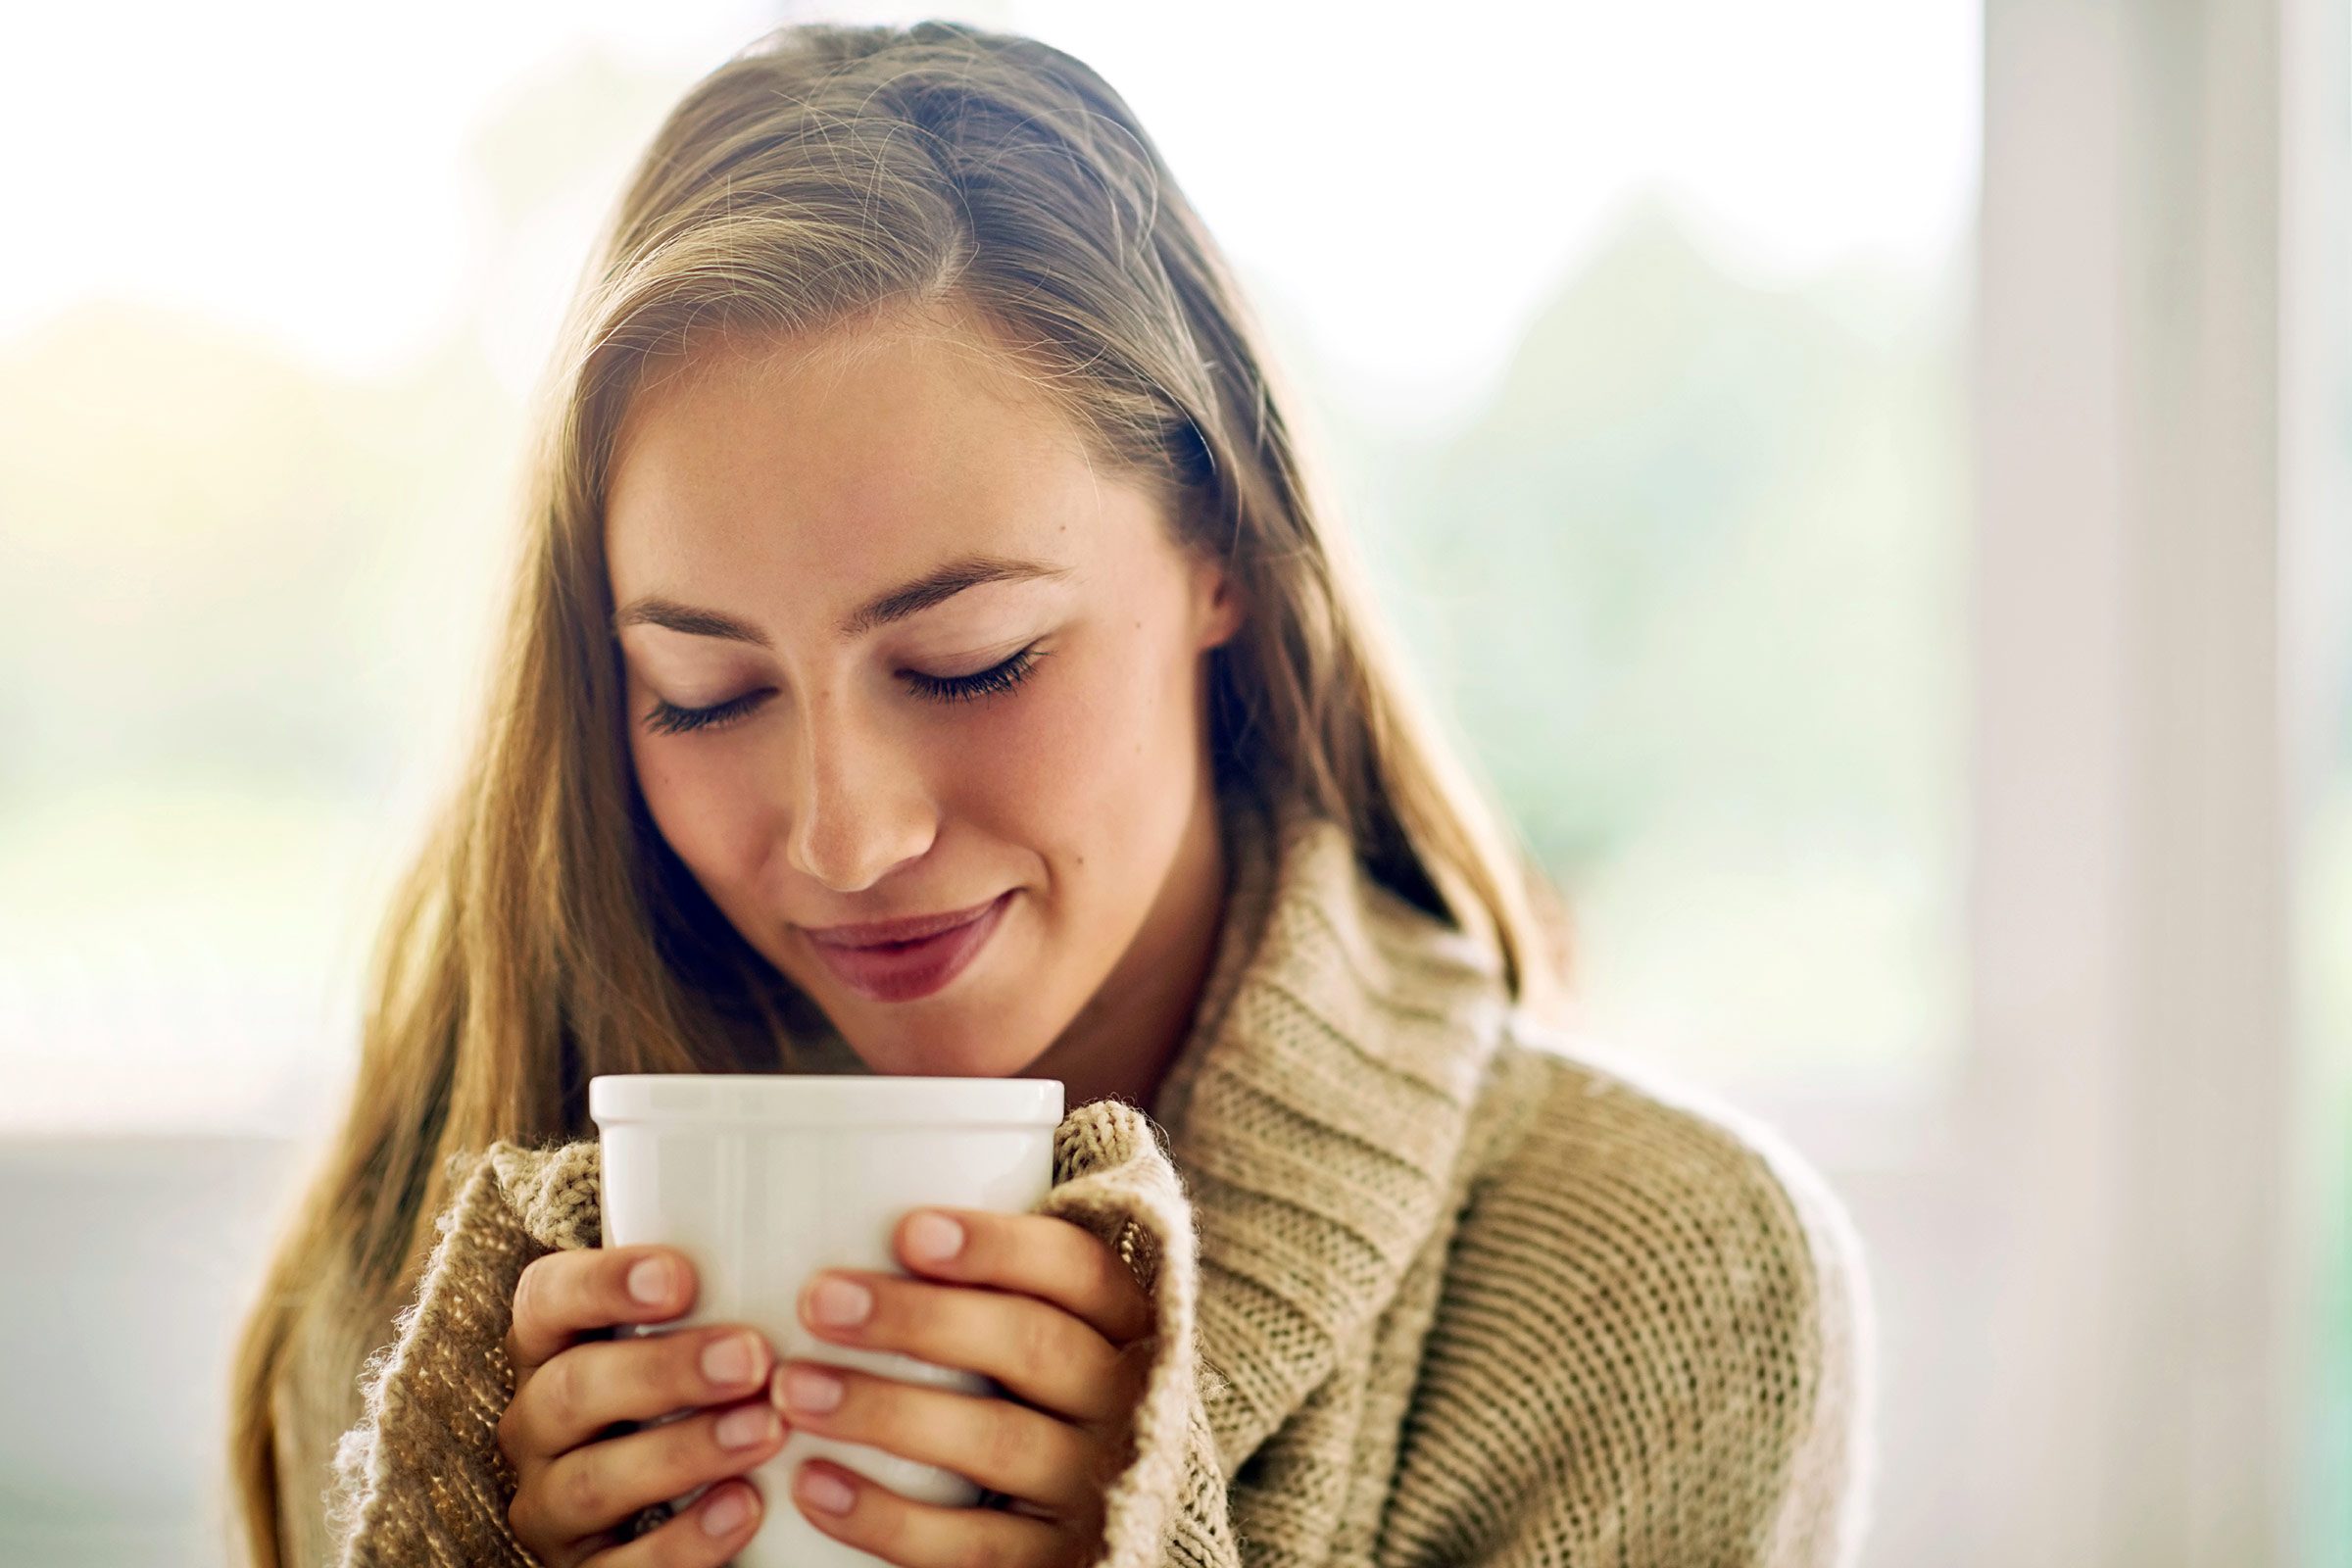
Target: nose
{"x":860,"y":807}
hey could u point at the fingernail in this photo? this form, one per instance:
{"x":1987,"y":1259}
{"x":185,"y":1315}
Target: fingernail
{"x":649,"y":1281}
{"x":841,"y":1302}
{"x":806,"y":1388}
{"x":728,"y":1363}
{"x":730,"y":1511}
{"x":826,"y":1491}
{"x":746,"y":1427}
{"x":933,"y":1238}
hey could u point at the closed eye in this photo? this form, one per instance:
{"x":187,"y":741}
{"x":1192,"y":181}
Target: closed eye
{"x":667,"y":718}
{"x":999,"y":677}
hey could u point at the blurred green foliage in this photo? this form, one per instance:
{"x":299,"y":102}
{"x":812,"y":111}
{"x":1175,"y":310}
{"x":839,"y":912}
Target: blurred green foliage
{"x":1690,"y":583}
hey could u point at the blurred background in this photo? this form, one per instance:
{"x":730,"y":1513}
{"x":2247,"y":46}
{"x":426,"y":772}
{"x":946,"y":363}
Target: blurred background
{"x":1869,"y":482}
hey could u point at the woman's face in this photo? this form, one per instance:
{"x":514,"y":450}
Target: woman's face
{"x":895,"y":649}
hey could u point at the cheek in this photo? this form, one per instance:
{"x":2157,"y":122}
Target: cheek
{"x":1077,"y":747}
{"x":1088,"y":770}
{"x":705,"y":807}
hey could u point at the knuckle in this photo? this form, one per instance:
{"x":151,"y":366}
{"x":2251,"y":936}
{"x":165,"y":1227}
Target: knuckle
{"x":683,"y":1452}
{"x":1113,"y":1280}
{"x":531,"y":1294}
{"x":910,"y":1315}
{"x":884,"y":1532}
{"x":1037,"y":1341}
{"x":1109,"y":1449}
{"x":1131,"y":1376}
{"x":510,"y":1432}
{"x":525,"y":1310}
{"x":582,"y":1495}
{"x":873,"y":1411}
{"x":1008,"y":1441}
{"x":522,"y":1517}
{"x":559,"y":1393}
{"x":979,"y":1548}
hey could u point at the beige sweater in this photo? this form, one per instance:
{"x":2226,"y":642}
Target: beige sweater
{"x":1432,"y":1288}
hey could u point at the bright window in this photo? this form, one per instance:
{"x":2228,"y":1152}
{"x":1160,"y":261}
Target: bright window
{"x":1635,"y":364}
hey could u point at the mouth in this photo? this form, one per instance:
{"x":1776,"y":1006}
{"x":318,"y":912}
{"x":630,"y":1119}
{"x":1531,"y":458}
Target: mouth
{"x":900,"y":960}
{"x":906,"y":928}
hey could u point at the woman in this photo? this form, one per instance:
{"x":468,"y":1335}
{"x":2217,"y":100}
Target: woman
{"x":930,"y":659}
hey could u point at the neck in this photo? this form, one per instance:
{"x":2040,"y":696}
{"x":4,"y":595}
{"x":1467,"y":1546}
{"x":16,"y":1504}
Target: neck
{"x":1127,"y":1036}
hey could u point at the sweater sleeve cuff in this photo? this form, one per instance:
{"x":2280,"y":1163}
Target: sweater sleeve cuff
{"x":433,"y":1399}
{"x":1168,"y":1504}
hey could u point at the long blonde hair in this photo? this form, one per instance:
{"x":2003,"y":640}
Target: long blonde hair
{"x":821,"y":175}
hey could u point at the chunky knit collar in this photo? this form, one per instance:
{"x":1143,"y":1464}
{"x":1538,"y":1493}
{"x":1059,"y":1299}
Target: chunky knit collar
{"x":1320,"y":1107}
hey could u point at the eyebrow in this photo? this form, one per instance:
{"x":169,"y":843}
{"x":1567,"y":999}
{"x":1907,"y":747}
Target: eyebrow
{"x":908,"y":599}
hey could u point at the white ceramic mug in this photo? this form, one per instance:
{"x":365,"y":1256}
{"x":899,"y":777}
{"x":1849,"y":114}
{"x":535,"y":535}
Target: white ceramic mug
{"x":763,"y":1179}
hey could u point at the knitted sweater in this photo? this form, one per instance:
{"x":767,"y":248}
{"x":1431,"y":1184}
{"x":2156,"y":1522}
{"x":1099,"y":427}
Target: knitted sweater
{"x":1432,"y":1286}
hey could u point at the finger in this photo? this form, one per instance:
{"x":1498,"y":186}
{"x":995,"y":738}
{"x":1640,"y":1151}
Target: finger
{"x":577,"y":1553}
{"x":921,"y":1535}
{"x":718,"y":1527}
{"x":598,"y":1484}
{"x":1036,"y":1254}
{"x":1038,"y":1351}
{"x":583,"y":1390}
{"x":994,"y":1443}
{"x":564,"y":1295}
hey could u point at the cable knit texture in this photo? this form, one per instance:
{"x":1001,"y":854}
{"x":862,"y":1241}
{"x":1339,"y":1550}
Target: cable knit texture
{"x":1433,"y":1284}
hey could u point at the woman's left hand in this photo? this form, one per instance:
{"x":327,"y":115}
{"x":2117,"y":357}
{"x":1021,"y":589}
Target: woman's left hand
{"x":1035,"y":1303}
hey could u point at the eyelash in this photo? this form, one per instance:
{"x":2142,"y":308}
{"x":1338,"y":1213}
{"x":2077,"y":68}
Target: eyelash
{"x":665,"y":720}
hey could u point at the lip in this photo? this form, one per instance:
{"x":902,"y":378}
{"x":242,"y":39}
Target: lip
{"x":899,"y":960}
{"x":906,"y":928}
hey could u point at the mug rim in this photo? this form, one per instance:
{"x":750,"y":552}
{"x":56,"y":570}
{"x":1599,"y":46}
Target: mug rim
{"x":822,"y":1100}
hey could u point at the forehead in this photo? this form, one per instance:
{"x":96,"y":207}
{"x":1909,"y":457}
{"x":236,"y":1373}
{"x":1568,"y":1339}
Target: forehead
{"x":838,"y":459}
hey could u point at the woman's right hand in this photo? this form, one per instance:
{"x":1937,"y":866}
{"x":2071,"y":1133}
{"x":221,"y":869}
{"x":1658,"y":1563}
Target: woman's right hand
{"x":575,"y":1486}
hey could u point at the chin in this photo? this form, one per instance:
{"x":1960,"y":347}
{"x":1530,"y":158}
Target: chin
{"x":945,"y":1051}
